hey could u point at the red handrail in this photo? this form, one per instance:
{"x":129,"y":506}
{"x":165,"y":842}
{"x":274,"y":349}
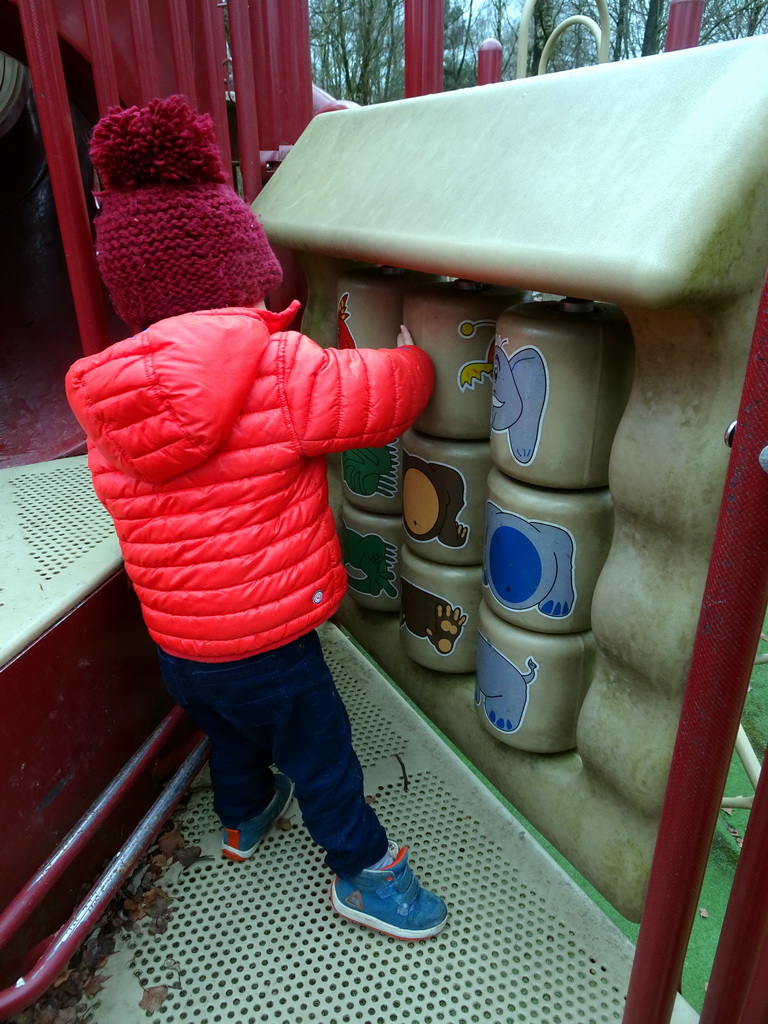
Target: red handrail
{"x":728,"y":631}
{"x":29,"y":988}
{"x":41,"y":883}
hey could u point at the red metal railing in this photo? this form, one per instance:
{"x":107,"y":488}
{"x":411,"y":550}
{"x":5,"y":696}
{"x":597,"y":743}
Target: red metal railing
{"x":729,"y":626}
{"x":55,"y":958}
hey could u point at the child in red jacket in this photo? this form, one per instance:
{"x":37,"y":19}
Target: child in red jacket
{"x":207,"y":435}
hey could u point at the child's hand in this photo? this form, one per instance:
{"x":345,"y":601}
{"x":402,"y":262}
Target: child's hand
{"x":404,"y":337}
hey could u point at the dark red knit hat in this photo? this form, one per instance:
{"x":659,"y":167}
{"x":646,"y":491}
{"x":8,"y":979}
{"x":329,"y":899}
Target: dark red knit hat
{"x":171,"y":236}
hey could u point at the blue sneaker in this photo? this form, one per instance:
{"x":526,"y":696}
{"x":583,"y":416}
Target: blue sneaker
{"x":391,"y":901}
{"x":240,"y":843}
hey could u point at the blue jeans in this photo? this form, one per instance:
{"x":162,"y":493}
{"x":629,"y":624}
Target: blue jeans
{"x":281,"y":708}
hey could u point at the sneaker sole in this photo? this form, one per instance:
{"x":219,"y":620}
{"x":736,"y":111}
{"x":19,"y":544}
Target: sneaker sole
{"x":230,"y":853}
{"x":376,"y":925}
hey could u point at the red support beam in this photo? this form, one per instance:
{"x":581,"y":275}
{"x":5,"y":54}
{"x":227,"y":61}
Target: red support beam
{"x":144,"y":51}
{"x":282,"y":69}
{"x":245,"y":92}
{"x":742,"y":943}
{"x":424,"y":45}
{"x":728,"y":631}
{"x":215,"y":57}
{"x":44,"y":59}
{"x":102,"y":58}
{"x":684,"y":24}
{"x":489,"y":56}
{"x":183,"y":63}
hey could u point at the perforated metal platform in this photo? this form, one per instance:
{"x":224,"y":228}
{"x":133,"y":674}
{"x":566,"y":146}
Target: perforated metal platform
{"x":259,"y":942}
{"x":57,"y":544}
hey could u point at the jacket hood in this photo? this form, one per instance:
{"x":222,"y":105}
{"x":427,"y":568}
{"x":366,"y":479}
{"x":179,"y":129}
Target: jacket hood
{"x":162,"y":402}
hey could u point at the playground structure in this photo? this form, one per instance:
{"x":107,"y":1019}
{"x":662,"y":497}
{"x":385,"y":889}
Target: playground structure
{"x":683,"y":257}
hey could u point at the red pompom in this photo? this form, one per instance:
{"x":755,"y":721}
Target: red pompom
{"x":165,"y":142}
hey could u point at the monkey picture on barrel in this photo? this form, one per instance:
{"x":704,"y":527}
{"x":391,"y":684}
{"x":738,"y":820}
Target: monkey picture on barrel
{"x":433,"y":496}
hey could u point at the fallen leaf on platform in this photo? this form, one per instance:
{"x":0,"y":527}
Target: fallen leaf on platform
{"x":96,"y":984}
{"x":171,"y":841}
{"x":154,"y":998}
{"x":186,"y":856}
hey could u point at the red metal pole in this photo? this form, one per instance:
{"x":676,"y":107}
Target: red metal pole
{"x":44,"y":59}
{"x":280,"y":40}
{"x":144,"y":51}
{"x":684,"y":24}
{"x":183,"y":64}
{"x":294,"y":68}
{"x":215,"y":51}
{"x":424,"y":44}
{"x":102,"y":58}
{"x":745,"y":928}
{"x":756,"y":1002}
{"x":489,"y":62}
{"x":731,"y":616}
{"x":245,"y":93}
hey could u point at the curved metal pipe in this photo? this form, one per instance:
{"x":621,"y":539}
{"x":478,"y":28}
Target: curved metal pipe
{"x":52,"y":962}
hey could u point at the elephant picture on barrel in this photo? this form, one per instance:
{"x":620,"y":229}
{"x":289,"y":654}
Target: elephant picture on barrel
{"x":529,"y":564}
{"x":520,"y":390}
{"x":501,"y":689}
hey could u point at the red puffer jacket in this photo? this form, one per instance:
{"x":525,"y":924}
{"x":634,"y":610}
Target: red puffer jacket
{"x":207,"y":436}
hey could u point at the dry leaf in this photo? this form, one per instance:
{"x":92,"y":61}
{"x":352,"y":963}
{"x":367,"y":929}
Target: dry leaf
{"x":703,"y":912}
{"x":154,"y":998}
{"x":96,"y":984}
{"x":735,"y":833}
{"x":370,"y":799}
{"x":171,"y":841}
{"x":156,"y":902}
{"x":68,"y":1015}
{"x":188,"y":855}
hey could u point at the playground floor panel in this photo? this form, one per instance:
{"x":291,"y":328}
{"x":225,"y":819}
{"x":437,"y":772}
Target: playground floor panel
{"x":259,"y":941}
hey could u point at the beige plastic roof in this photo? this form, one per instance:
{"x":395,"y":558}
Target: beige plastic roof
{"x":616,"y":182}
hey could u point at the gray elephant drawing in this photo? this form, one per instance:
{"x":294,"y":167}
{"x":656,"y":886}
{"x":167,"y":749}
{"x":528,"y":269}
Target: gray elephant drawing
{"x":501,"y":689}
{"x":520,"y":387}
{"x":528,"y":564}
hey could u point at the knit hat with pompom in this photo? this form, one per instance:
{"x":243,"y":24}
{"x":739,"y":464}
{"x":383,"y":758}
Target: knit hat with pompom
{"x":171,"y":236}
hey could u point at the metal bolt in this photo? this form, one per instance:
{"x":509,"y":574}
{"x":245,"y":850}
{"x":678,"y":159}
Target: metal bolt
{"x":729,"y":435}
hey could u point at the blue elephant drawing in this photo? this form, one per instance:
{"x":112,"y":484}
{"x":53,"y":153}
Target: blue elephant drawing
{"x":520,"y":389}
{"x":501,"y":688}
{"x":528,"y":564}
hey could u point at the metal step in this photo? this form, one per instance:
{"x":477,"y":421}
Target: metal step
{"x":259,"y":942}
